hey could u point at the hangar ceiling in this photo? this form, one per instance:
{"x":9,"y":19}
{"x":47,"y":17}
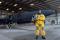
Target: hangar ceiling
{"x":27,"y":5}
{"x":55,"y":4}
{"x":18,"y":5}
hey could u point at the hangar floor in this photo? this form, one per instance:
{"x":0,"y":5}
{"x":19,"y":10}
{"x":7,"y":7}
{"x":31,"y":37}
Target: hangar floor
{"x":26,"y":32}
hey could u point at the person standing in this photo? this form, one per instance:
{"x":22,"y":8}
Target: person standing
{"x":39,"y":22}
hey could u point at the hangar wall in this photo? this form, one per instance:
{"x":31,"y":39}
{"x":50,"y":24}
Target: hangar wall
{"x":53,"y":19}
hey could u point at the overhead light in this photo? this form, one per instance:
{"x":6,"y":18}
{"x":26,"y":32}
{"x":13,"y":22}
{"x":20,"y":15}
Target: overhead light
{"x":58,"y":6}
{"x":0,"y":2}
{"x":7,"y":9}
{"x":20,"y":8}
{"x":3,"y":16}
{"x":12,"y":11}
{"x":32,"y":4}
{"x":15,"y":4}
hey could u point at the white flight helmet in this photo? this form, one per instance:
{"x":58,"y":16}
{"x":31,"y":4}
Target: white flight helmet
{"x":40,"y":11}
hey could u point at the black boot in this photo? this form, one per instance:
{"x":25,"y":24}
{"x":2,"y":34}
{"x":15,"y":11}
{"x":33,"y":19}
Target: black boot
{"x":36,"y":37}
{"x":43,"y":37}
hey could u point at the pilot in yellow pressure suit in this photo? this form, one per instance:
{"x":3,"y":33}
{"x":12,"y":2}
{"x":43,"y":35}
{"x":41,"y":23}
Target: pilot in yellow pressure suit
{"x":39,"y":20}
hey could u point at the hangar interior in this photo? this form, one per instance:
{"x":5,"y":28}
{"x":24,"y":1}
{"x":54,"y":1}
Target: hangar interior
{"x":19,"y":13}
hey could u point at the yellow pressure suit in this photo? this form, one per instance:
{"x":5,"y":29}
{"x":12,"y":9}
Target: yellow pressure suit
{"x":39,"y":23}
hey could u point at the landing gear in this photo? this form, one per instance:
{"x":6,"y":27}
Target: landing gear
{"x":9,"y":26}
{"x":43,"y":37}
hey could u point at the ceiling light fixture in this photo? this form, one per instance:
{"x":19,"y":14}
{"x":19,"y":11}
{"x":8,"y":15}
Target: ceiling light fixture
{"x":15,"y":4}
{"x":12,"y":11}
{"x":0,"y":2}
{"x":58,"y":6}
{"x":32,"y":4}
{"x":20,"y":8}
{"x":7,"y":9}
